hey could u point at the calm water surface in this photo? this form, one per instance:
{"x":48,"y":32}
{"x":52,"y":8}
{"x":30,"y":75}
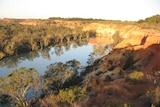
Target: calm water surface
{"x":80,"y":51}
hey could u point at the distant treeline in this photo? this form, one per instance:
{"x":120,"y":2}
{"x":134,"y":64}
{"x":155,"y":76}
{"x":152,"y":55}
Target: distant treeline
{"x":16,"y":38}
{"x":152,"y":19}
{"x":77,"y":19}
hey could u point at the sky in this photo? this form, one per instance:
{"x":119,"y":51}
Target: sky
{"x":131,"y":10}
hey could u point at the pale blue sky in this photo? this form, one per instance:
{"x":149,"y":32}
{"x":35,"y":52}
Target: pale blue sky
{"x":104,"y":9}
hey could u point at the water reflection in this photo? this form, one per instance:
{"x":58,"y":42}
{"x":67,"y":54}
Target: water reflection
{"x":38,"y":58}
{"x":12,"y":62}
{"x":98,"y":51}
{"x":45,"y":54}
{"x":82,"y":51}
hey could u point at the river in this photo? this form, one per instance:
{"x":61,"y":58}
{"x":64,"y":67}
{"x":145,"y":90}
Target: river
{"x":83,"y":51}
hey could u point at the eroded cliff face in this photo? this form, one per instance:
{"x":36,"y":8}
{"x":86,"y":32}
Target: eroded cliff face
{"x":142,"y":44}
{"x":139,"y":51}
{"x":125,"y":30}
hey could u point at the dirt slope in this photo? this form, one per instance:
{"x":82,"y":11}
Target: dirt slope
{"x":109,"y":81}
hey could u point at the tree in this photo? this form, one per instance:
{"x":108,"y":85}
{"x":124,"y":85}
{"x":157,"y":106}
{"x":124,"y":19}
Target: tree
{"x":18,"y":83}
{"x":70,"y":95}
{"x":46,"y":40}
{"x":55,"y":76}
{"x":73,"y":64}
{"x":153,"y":19}
{"x":10,"y":48}
{"x":58,"y":74}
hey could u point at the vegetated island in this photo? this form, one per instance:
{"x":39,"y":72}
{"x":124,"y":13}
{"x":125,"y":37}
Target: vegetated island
{"x":127,"y":77}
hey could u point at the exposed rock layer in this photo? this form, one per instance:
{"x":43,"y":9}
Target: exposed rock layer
{"x":139,"y":51}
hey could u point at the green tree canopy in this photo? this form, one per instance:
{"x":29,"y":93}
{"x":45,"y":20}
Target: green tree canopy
{"x":18,"y":83}
{"x":59,"y":73}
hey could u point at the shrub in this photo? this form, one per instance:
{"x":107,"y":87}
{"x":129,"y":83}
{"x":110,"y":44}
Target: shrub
{"x":89,"y":89}
{"x":53,"y":100}
{"x":110,"y":91}
{"x":120,"y":72}
{"x":111,"y":68}
{"x":108,"y":79}
{"x":129,"y":63}
{"x":69,"y":95}
{"x":136,"y":75}
{"x":141,"y":21}
{"x":154,"y":95}
{"x":99,"y":73}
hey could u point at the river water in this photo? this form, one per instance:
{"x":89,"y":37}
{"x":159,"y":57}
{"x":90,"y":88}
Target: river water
{"x":82,"y":51}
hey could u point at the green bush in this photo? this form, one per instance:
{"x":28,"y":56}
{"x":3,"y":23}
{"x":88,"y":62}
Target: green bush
{"x":69,"y":95}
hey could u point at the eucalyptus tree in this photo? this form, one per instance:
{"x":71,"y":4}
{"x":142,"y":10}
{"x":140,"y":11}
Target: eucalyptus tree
{"x":54,"y":77}
{"x":46,"y":40}
{"x":59,"y":73}
{"x":10,"y":48}
{"x":18,"y":84}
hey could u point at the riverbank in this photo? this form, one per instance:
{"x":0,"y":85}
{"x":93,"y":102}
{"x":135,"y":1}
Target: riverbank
{"x":127,"y":76}
{"x":110,"y":79}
